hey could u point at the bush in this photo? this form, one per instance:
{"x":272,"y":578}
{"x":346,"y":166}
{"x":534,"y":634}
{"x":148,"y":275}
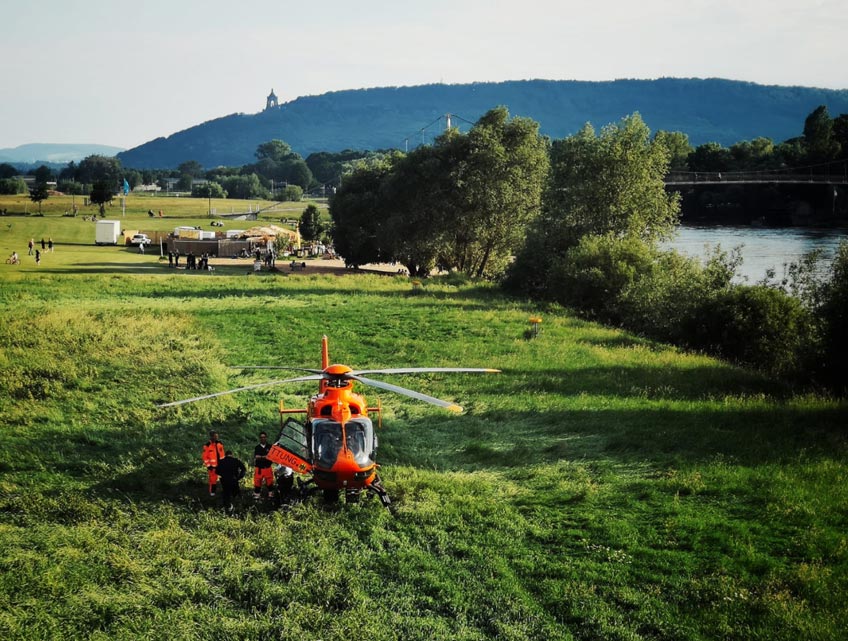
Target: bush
{"x":833,"y":316}
{"x":71,"y":187}
{"x":209,"y":190}
{"x":664,"y":300}
{"x":591,"y":276}
{"x":756,"y":326}
{"x":293,"y":193}
{"x":13,"y":186}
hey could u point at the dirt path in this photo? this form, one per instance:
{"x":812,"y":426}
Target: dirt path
{"x":318,"y":266}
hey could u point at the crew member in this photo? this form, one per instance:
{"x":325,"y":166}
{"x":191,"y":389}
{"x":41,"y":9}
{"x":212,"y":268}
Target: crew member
{"x":213,"y":453}
{"x":231,"y":470}
{"x":262,"y":467}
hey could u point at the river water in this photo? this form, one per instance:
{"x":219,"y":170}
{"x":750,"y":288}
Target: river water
{"x":762,"y":247}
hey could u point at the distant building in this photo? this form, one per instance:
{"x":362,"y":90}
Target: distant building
{"x":271,"y":101}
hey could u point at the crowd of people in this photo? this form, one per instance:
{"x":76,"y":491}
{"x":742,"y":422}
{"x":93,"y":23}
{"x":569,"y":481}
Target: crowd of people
{"x":32,"y":250}
{"x":191,"y":261}
{"x":224,"y":469}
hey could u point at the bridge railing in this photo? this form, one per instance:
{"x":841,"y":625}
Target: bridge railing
{"x":690,"y":177}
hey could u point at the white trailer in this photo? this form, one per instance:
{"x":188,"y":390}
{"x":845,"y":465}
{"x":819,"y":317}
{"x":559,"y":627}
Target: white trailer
{"x":107,"y":232}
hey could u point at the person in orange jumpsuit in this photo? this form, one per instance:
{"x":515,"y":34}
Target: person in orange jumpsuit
{"x":262,"y":470}
{"x":213,"y":452}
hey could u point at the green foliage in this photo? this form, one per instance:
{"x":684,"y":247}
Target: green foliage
{"x":99,"y":169}
{"x":600,"y":185}
{"x":463,"y":203}
{"x":497,"y":175}
{"x":832,"y":312}
{"x":818,"y":136}
{"x":592,"y":275}
{"x":327,"y":167}
{"x":677,"y":144}
{"x":756,"y":326}
{"x":710,"y":157}
{"x":277,"y":161}
{"x":43,"y":174}
{"x":190,"y":168}
{"x":209,"y":190}
{"x":274,"y":150}
{"x":39,"y":193}
{"x":12,"y":186}
{"x":7,"y":171}
{"x":245,"y":187}
{"x":293,"y":193}
{"x":310,"y":223}
{"x":102,"y":193}
{"x":357,"y":213}
{"x":602,"y":486}
{"x":666,"y":300}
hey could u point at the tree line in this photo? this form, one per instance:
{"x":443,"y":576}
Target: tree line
{"x":578,"y":222}
{"x":824,"y":140}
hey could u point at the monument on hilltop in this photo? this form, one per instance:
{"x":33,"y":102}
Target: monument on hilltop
{"x":271,"y":101}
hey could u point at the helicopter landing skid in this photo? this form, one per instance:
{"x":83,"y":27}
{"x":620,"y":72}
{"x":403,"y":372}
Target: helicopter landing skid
{"x":378,"y":489}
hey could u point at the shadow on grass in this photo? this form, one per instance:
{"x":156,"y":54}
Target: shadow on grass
{"x":637,"y":382}
{"x":655,"y":437}
{"x":167,"y":468}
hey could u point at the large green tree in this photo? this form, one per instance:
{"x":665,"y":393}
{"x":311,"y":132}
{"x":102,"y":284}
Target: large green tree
{"x":609,"y":185}
{"x":7,"y":171}
{"x":818,"y":136}
{"x":678,"y":147}
{"x":39,"y":193}
{"x":418,"y":209}
{"x":359,"y":216}
{"x":190,"y":168}
{"x":275,"y":161}
{"x":497,"y":173}
{"x":310,"y":223}
{"x":102,"y":192}
{"x":710,"y":156}
{"x":463,"y":203}
{"x":43,"y":174}
{"x":103,"y":169}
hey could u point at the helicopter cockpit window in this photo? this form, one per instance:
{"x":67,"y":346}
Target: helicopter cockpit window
{"x":327,"y":440}
{"x":360,"y":440}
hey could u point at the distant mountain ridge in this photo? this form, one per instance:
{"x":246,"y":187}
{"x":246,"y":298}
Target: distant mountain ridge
{"x":707,"y":110}
{"x":54,"y":153}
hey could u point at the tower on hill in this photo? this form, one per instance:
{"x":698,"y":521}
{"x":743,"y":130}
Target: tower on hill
{"x":271,"y":101}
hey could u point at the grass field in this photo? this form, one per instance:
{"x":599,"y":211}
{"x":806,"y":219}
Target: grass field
{"x":601,"y":487}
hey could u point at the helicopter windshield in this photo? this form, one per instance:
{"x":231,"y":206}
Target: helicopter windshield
{"x":360,"y":440}
{"x":327,"y":440}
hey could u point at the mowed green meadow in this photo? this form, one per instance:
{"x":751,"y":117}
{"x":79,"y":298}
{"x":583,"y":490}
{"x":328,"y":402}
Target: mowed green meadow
{"x":601,"y":487}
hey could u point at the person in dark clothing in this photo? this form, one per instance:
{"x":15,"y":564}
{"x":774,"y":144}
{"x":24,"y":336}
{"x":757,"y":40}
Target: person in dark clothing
{"x":231,"y":471}
{"x":262,"y":470}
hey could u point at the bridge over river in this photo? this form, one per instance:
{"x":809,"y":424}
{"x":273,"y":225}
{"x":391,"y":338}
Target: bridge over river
{"x":685,"y":178}
{"x":807,"y":196}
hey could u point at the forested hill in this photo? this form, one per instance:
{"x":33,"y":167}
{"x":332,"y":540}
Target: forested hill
{"x":708,"y":110}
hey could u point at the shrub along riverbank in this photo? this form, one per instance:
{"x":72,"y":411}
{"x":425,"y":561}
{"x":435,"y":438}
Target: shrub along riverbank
{"x":604,"y":486}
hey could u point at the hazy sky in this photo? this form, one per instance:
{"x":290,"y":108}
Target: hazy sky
{"x":122,"y":73}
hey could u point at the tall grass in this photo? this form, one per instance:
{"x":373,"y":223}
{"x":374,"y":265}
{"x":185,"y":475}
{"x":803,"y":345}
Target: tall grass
{"x":602,"y":487}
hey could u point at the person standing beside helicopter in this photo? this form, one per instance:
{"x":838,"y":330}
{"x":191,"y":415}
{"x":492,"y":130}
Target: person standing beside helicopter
{"x":231,"y":470}
{"x":262,"y":467}
{"x":213,"y":453}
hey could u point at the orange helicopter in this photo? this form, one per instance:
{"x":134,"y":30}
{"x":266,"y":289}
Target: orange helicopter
{"x":336,"y":445}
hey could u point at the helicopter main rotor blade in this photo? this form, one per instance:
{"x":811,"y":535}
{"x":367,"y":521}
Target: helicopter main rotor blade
{"x":292,"y":369}
{"x":420,"y":370}
{"x":314,"y":377}
{"x":453,"y":407}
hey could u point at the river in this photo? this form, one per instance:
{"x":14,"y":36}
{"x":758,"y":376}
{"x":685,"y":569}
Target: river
{"x":762,"y":247}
